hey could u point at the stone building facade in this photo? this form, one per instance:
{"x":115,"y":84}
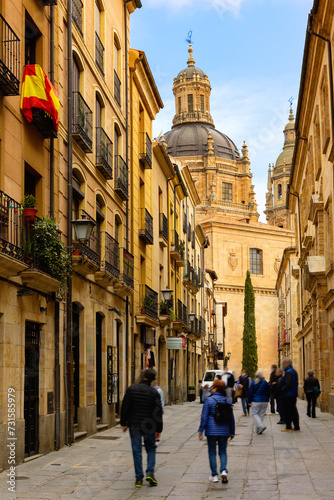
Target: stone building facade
{"x":228,"y":214}
{"x":311,"y":202}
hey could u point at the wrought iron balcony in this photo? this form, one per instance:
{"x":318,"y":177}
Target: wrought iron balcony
{"x":43,"y":122}
{"x":195,"y":328}
{"x":128,"y":267}
{"x":11,"y":237}
{"x":9,"y":59}
{"x":193,"y":240}
{"x":180,"y":314}
{"x":163,"y":227}
{"x":177,"y":249}
{"x":149,"y":301}
{"x":77,"y":7}
{"x":146,"y":226}
{"x":145,"y":154}
{"x":49,"y":2}
{"x":187,"y":273}
{"x":117,"y":88}
{"x":110,"y":260}
{"x":202,"y":325}
{"x":104,"y":153}
{"x":89,"y":251}
{"x":185,"y":222}
{"x":82,"y":123}
{"x":166,"y":307}
{"x":121,"y":178}
{"x":193,"y":282}
{"x":99,"y":53}
{"x":189,"y":232}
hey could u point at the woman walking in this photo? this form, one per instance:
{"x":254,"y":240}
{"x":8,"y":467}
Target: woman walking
{"x":258,"y":397}
{"x":217,"y":428}
{"x":312,"y":391}
{"x":243,"y":386}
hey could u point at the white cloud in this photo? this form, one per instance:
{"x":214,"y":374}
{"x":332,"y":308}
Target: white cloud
{"x":221,"y":6}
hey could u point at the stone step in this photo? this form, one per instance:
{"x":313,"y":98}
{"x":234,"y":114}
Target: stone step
{"x":101,"y":427}
{"x":79,"y":435}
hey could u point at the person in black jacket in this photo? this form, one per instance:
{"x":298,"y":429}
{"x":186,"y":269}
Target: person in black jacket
{"x":271,"y":380}
{"x":312,"y":391}
{"x":276,"y":390}
{"x":142,"y":414}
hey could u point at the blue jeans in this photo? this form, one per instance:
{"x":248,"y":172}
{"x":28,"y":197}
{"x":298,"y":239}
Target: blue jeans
{"x":244,"y":405}
{"x":136,"y":443}
{"x":222,"y":444}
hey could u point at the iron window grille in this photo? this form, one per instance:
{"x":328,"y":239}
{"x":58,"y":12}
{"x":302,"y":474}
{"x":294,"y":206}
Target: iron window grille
{"x":9,"y":59}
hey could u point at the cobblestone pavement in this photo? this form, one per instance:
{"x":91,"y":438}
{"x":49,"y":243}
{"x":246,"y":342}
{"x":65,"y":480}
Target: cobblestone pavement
{"x":275,"y":465}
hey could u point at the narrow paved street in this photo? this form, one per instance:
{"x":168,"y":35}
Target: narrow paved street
{"x":275,"y":465}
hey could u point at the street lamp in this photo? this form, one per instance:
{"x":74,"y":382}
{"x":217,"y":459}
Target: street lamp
{"x":211,"y":335}
{"x":191,"y":316}
{"x":167,"y":294}
{"x":83,"y":228}
{"x":228,"y":355}
{"x":220,"y":345}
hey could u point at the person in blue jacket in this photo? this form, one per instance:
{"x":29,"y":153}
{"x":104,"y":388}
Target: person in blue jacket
{"x":216,"y":432}
{"x":258,"y":398}
{"x":290,"y":394}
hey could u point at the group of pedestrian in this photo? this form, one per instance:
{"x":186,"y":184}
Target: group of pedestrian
{"x":142,"y":411}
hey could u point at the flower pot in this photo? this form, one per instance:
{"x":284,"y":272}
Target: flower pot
{"x":29,"y":214}
{"x":191,"y":397}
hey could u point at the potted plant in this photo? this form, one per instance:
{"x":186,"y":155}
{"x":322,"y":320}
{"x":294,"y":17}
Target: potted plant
{"x":29,"y":207}
{"x":50,"y":251}
{"x":191,"y":393}
{"x":181,"y":248}
{"x":163,"y":306}
{"x":173,"y":247}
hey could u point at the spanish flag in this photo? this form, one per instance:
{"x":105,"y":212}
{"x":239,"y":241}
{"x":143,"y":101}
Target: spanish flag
{"x":38,"y":92}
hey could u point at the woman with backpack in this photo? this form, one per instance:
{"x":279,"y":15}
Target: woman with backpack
{"x":258,"y":398}
{"x":217,"y":421}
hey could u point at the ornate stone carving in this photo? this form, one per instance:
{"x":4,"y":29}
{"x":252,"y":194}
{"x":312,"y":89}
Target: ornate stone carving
{"x":233,"y":261}
{"x":277,"y":263}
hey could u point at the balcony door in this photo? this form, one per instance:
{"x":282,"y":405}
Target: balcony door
{"x":31,"y":388}
{"x":98,"y":364}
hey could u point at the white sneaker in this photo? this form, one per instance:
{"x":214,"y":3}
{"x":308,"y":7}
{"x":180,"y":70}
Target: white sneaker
{"x":214,"y":479}
{"x":224,"y":476}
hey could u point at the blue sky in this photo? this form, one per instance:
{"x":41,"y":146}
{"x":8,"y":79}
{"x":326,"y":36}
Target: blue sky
{"x":251,"y":50}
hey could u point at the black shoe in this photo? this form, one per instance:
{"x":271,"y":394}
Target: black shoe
{"x":151,"y":479}
{"x":281,"y":422}
{"x":313,"y":416}
{"x":139,"y":483}
{"x":308,"y":414}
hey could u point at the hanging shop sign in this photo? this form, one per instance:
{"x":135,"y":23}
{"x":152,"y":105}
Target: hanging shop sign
{"x":174,"y":343}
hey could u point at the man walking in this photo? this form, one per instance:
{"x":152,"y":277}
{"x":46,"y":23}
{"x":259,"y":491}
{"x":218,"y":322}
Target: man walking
{"x":312,"y":391}
{"x":290,"y":392}
{"x":272,"y":397}
{"x":142,"y":414}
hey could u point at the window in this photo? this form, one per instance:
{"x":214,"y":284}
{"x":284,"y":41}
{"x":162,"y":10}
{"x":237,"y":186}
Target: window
{"x":279,"y":191}
{"x":99,"y":49}
{"x":190,"y":103}
{"x":31,"y":36}
{"x":227,"y":191}
{"x":255,"y":261}
{"x":202,"y":103}
{"x":179,"y":104}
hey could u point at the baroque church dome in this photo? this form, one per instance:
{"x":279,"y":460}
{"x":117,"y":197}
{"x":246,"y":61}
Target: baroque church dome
{"x":192,"y":122}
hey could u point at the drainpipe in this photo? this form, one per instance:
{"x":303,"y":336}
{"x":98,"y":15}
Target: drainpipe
{"x":301,"y":279}
{"x":56,"y":303}
{"x":69,"y":383}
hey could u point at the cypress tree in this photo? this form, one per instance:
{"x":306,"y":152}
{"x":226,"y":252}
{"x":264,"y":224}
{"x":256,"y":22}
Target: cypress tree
{"x":249,"y":352}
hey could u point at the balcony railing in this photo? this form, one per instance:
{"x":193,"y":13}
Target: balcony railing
{"x":189,"y":232}
{"x":193,"y":240}
{"x":149,"y":301}
{"x":146,"y":226}
{"x":9,"y":59}
{"x":77,"y":7}
{"x":175,"y":240}
{"x":11,"y":226}
{"x":82,"y":123}
{"x":99,"y":53}
{"x":104,"y":153}
{"x":91,"y":249}
{"x":195,"y":327}
{"x":128,"y":268}
{"x":163,"y":227}
{"x":145,"y":154}
{"x":121,"y":178}
{"x":177,"y":249}
{"x":202,"y":324}
{"x":111,"y":255}
{"x":166,"y":307}
{"x":185,"y":223}
{"x":117,"y":88}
